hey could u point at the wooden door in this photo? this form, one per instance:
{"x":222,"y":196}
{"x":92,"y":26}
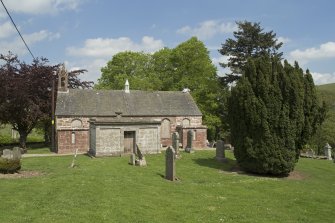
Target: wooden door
{"x":129,"y":142}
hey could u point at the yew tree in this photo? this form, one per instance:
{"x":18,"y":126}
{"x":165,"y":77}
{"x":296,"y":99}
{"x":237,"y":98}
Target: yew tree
{"x":273,"y":112}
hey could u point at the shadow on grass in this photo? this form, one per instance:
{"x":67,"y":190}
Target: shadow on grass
{"x":227,"y":165}
{"x":231,"y":166}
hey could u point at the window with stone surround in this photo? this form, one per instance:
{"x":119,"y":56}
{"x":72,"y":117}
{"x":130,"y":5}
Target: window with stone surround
{"x":73,"y":138}
{"x":186,"y":122}
{"x":76,"y":123}
{"x":165,"y":129}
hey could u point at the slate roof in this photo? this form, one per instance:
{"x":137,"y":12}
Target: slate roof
{"x":83,"y":102}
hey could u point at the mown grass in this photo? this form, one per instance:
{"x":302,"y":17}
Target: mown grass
{"x":110,"y":190}
{"x":6,"y":135}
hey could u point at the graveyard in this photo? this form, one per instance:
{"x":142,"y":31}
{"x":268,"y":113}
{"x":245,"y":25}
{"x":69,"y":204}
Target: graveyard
{"x":109,"y":189}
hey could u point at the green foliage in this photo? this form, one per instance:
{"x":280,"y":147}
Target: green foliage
{"x":273,"y":111}
{"x":326,"y":132}
{"x":9,"y":165}
{"x":250,"y":41}
{"x":186,"y":66}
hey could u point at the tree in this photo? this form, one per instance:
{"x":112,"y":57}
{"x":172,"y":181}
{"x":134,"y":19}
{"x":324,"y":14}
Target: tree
{"x":250,"y":41}
{"x":186,"y":66}
{"x":137,"y":67}
{"x":273,"y":111}
{"x":25,"y":93}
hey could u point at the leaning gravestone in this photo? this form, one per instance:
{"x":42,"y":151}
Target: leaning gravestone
{"x":170,"y":164}
{"x":220,"y":151}
{"x":328,"y":152}
{"x":141,"y":159}
{"x":175,"y":144}
{"x":189,"y":146}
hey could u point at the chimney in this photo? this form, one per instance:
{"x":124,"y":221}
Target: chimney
{"x":62,"y":79}
{"x":126,"y":87}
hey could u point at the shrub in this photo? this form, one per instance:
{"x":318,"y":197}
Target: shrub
{"x":9,"y":165}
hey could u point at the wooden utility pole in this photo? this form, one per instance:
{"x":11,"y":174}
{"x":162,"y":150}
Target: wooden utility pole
{"x":53,"y":116}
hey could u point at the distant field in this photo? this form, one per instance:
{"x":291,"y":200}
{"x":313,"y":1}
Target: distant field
{"x":110,"y":190}
{"x":6,"y":135}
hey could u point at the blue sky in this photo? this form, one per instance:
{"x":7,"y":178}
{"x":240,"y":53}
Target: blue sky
{"x":87,"y":33}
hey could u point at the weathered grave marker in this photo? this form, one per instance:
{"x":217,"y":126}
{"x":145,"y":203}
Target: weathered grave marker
{"x":175,"y":144}
{"x":327,"y":150}
{"x":189,"y":146}
{"x":141,"y":159}
{"x":170,"y":164}
{"x":220,"y":151}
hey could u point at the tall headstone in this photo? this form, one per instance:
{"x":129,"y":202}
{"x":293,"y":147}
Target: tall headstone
{"x":220,"y":151}
{"x":175,"y":144}
{"x":189,"y":146}
{"x":170,"y":164}
{"x":327,"y":150}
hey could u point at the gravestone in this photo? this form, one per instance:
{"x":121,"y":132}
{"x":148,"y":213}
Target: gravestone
{"x":175,"y":144}
{"x":310,"y":153}
{"x":170,"y":164}
{"x":132,"y":159}
{"x":220,"y":151}
{"x":327,"y":150}
{"x":141,"y":159}
{"x":189,"y":146}
{"x":17,"y":153}
{"x":7,"y":154}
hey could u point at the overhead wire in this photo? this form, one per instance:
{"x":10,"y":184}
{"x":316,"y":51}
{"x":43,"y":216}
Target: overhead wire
{"x":17,"y":30}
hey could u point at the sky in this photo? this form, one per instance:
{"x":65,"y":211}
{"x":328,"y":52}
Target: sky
{"x":85,"y":34}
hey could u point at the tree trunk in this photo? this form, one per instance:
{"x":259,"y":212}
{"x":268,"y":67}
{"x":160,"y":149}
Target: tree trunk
{"x":47,"y":133}
{"x":23,"y":140}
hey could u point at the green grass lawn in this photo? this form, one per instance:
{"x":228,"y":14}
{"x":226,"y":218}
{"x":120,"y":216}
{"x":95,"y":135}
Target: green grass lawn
{"x":110,"y":190}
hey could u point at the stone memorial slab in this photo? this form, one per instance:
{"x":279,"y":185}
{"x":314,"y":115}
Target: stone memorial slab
{"x":220,"y":151}
{"x":7,"y":154}
{"x":170,"y":164}
{"x":175,"y":144}
{"x":327,"y":150}
{"x":189,"y":146}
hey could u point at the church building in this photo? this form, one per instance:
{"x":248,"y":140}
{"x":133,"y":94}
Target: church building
{"x":112,"y":122}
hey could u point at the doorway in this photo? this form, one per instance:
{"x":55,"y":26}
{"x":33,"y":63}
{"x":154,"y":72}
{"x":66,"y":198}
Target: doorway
{"x":129,"y":142}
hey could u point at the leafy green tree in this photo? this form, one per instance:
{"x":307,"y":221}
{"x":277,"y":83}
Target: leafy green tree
{"x":273,"y":111}
{"x":137,"y":67}
{"x":186,"y":66}
{"x":250,"y":41}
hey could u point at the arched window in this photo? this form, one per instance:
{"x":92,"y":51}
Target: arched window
{"x":186,"y":122}
{"x":165,"y":129}
{"x":76,"y":123}
{"x":62,"y":82}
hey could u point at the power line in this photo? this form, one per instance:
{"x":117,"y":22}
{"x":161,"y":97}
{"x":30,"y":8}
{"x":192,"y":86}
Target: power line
{"x":17,"y":30}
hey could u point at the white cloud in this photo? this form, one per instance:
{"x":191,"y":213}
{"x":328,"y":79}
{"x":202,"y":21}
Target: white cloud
{"x":323,"y":78}
{"x":6,"y":30}
{"x":284,"y":39}
{"x":40,"y":6}
{"x":16,"y":45}
{"x":208,"y":29}
{"x":102,"y":48}
{"x":325,"y":50}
